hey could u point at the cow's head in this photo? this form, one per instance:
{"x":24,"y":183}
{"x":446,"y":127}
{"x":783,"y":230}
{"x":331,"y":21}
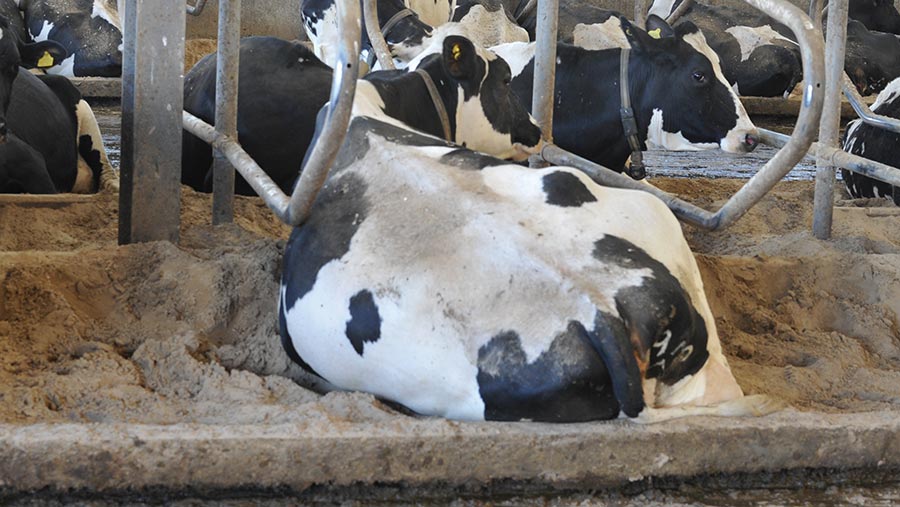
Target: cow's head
{"x":14,"y":53}
{"x":485,"y":114}
{"x":873,"y":58}
{"x":684,"y":97}
{"x":405,"y":36}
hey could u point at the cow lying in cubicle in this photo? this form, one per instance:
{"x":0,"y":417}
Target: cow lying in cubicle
{"x":463,"y":286}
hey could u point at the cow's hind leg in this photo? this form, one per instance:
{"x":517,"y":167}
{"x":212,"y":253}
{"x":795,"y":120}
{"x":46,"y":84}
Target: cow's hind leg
{"x":755,"y":405}
{"x":92,"y":152}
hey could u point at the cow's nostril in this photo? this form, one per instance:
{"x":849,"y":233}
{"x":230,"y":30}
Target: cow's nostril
{"x":750,"y":142}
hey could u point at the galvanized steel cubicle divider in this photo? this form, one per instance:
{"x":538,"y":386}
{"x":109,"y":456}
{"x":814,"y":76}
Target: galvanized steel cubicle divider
{"x":292,"y":210}
{"x":811,"y":48}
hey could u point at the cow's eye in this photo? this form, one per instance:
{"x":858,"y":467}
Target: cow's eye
{"x":507,"y":81}
{"x":699,"y":76}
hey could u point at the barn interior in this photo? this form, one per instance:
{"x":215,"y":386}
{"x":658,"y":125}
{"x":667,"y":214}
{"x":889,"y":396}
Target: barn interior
{"x":154,"y":373}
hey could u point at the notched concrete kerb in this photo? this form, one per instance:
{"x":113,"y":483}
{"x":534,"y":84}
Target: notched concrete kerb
{"x":419,"y":452}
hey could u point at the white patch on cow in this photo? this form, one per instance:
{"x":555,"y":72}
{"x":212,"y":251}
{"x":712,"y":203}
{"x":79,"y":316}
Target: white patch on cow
{"x":752,"y":37}
{"x":87,"y":126}
{"x":433,"y":44}
{"x":102,"y":10}
{"x":659,"y":139}
{"x":323,"y":33}
{"x":733,"y":142}
{"x":890,"y":92}
{"x":485,"y":28}
{"x":662,"y":8}
{"x":432,"y":12}
{"x":516,"y":54}
{"x":475,"y":131}
{"x":44,"y":34}
{"x":84,"y":179}
{"x":446,"y":283}
{"x":604,"y":35}
{"x":64,"y":68}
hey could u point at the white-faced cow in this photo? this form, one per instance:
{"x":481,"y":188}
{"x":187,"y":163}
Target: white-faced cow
{"x":52,"y":142}
{"x":282,"y":86}
{"x":875,"y":144}
{"x":460,"y":286}
{"x":680,"y":99}
{"x":90,"y":30}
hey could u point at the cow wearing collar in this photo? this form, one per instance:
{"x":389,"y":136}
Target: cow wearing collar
{"x":875,"y":144}
{"x":90,"y":30}
{"x":50,"y":139}
{"x":680,"y":98}
{"x":282,"y":86}
{"x":465,"y":287}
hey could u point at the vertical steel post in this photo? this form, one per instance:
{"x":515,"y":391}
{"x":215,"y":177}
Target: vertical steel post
{"x":227,"y":67}
{"x":830,"y":124}
{"x":640,"y":12}
{"x":152,"y":84}
{"x":545,"y":71}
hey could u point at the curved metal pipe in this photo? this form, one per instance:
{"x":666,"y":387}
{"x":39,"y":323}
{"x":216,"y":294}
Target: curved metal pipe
{"x":337,"y":116}
{"x":866,"y":114}
{"x":812,"y":51}
{"x":197,"y":8}
{"x":679,"y":11}
{"x":376,"y":38}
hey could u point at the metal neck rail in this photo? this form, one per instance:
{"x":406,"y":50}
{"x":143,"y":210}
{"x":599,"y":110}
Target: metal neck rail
{"x":295,"y":209}
{"x":809,"y":36}
{"x":863,"y":111}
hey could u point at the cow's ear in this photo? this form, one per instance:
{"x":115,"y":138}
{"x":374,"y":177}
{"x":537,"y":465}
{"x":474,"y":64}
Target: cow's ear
{"x":658,"y":28}
{"x":42,"y":55}
{"x":685,"y":28}
{"x":637,"y":38}
{"x":460,"y":59}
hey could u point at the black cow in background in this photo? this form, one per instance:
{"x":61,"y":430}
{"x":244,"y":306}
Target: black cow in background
{"x":282,"y":87}
{"x":876,"y":15}
{"x":49,"y":139}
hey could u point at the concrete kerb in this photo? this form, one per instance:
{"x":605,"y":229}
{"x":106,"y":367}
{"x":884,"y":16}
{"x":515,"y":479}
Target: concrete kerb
{"x":110,"y":458}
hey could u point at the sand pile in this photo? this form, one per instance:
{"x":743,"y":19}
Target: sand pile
{"x":158,"y":333}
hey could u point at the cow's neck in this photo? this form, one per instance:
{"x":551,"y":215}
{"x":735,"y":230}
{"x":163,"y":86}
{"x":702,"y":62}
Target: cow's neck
{"x":406,"y":98}
{"x":587,"y":119}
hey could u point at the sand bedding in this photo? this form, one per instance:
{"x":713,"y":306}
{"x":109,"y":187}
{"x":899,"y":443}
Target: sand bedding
{"x":158,"y":333}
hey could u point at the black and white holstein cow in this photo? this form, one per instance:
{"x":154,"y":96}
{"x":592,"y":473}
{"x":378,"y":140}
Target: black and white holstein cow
{"x":90,"y":30}
{"x":680,"y":99}
{"x":461,"y":286}
{"x":51,"y":140}
{"x":282,"y":87}
{"x":757,"y":54}
{"x":875,"y":144}
{"x":407,"y":34}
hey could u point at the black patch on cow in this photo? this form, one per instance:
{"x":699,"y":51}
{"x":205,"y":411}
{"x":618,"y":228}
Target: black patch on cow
{"x":567,"y":383}
{"x":337,"y":213}
{"x":566,"y":190}
{"x":288,"y":344}
{"x":91,"y":156}
{"x":657,"y":308}
{"x":364,"y":325}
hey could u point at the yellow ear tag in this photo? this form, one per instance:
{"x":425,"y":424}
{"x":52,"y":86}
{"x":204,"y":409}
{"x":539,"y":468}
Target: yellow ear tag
{"x":655,"y":33}
{"x":45,"y":61}
{"x":456,"y":51}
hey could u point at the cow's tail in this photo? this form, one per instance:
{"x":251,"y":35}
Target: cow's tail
{"x":610,"y":339}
